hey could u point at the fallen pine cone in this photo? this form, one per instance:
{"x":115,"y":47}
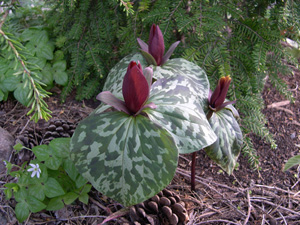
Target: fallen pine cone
{"x":165,"y":208}
{"x":58,"y":128}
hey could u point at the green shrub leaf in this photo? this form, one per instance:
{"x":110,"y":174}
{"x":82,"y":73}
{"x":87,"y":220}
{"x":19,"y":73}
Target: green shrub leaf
{"x":127,"y":158}
{"x":70,"y":168}
{"x":226,"y":149}
{"x":55,"y":204}
{"x":60,"y":147}
{"x":70,"y":197}
{"x":34,"y":204}
{"x":41,"y":152}
{"x":60,"y":77}
{"x":22,"y":94}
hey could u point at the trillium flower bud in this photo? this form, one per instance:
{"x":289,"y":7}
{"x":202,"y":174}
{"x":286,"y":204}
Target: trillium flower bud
{"x":154,"y":50}
{"x":216,"y":99}
{"x":156,"y":44}
{"x":135,"y":90}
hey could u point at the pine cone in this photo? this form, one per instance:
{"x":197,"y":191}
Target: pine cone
{"x":58,"y":128}
{"x":30,"y":138}
{"x":164,"y":208}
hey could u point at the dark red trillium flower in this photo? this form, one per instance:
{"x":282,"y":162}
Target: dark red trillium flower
{"x":135,"y":89}
{"x":154,"y":51}
{"x":216,"y":99}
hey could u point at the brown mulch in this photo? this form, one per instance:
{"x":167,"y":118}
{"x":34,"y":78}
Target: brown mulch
{"x":249,"y":196}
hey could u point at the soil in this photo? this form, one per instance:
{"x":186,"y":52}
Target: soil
{"x":266,"y":195}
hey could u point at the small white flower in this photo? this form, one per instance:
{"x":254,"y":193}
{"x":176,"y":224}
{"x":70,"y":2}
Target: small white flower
{"x":35,"y":169}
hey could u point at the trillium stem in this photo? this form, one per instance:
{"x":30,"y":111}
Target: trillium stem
{"x":193,"y":166}
{"x":193,"y":171}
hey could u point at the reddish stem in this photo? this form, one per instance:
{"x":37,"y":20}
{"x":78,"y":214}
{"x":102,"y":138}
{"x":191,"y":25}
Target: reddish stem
{"x":193,"y":171}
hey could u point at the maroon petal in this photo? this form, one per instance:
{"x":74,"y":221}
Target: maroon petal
{"x":135,"y":88}
{"x":108,"y":98}
{"x":156,"y":45}
{"x":169,"y":52}
{"x":142,"y":44}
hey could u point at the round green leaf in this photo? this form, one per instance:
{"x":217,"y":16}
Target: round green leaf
{"x":60,"y":147}
{"x":11,"y":82}
{"x":41,"y":152}
{"x":226,"y":149}
{"x":127,"y":158}
{"x":22,"y":94}
{"x":60,"y":77}
{"x":60,"y":65}
{"x":44,"y":50}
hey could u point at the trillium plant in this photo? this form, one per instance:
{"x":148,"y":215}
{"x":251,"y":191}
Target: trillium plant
{"x":152,"y":109}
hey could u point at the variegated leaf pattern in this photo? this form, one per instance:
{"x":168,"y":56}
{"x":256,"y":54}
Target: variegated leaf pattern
{"x":179,"y":112}
{"x":196,"y":75}
{"x":127,"y":158}
{"x":226,"y":149}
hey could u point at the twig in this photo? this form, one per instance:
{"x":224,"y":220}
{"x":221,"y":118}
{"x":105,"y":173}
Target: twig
{"x":249,"y":208}
{"x":282,"y":218}
{"x":272,"y":204}
{"x":216,"y":221}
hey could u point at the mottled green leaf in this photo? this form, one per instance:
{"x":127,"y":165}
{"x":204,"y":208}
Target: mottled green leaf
{"x":292,"y":162}
{"x":127,"y":158}
{"x":178,"y":112}
{"x":226,"y":149}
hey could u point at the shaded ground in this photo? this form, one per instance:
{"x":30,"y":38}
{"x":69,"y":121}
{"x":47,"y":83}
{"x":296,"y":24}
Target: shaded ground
{"x":267,"y":196}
